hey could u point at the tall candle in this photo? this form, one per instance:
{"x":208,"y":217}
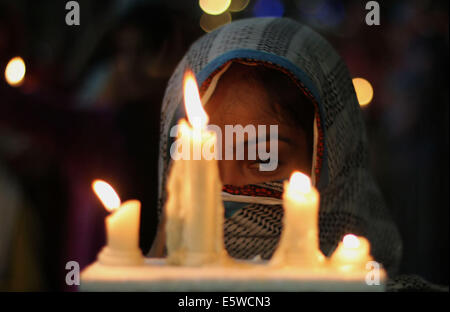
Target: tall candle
{"x":299,"y":241}
{"x":194,"y":208}
{"x":122,"y":227}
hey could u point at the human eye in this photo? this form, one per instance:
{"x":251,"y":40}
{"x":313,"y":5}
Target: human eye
{"x":260,"y":161}
{"x":254,"y":167}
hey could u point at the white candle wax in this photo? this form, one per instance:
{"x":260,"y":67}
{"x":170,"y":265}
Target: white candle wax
{"x":122,"y":228}
{"x":194,"y":208}
{"x":299,"y":241}
{"x":352,"y":253}
{"x":200,"y":214}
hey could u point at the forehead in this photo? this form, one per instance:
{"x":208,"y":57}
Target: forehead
{"x":240,"y":101}
{"x":246,"y":108}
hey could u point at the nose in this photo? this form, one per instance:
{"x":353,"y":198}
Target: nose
{"x":230,"y":173}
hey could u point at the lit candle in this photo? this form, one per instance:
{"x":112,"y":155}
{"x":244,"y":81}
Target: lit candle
{"x":299,"y":241}
{"x":122,"y":227}
{"x":352,"y":253}
{"x":194,"y":208}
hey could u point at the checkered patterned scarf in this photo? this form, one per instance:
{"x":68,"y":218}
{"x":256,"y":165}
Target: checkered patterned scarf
{"x":350,"y":199}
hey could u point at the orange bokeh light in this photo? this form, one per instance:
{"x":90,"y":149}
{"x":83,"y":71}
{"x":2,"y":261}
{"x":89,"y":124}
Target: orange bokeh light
{"x":15,"y":71}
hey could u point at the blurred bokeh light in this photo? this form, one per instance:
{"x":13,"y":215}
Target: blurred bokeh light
{"x":15,"y":71}
{"x":210,"y":22}
{"x":238,"y":5}
{"x":274,"y":8}
{"x":364,"y":91}
{"x":214,"y":7}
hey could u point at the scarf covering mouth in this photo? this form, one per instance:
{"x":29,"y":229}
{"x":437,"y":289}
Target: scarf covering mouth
{"x":350,"y":201}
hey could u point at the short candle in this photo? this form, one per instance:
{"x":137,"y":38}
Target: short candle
{"x":299,"y":242}
{"x":122,"y":227}
{"x":352,"y":253}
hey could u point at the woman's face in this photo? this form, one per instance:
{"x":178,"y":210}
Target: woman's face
{"x":240,"y":101}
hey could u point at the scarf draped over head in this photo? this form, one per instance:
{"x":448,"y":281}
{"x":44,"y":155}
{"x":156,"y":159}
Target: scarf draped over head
{"x":350,"y":201}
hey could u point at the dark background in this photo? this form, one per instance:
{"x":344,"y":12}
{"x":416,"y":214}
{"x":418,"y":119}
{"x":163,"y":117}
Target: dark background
{"x":89,"y":108}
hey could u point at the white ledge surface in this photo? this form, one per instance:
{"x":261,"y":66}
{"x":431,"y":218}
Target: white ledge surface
{"x":156,"y":275}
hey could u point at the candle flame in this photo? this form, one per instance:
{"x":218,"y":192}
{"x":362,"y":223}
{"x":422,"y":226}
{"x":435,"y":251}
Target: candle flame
{"x":300,"y":182}
{"x":351,"y":241}
{"x":106,"y":194}
{"x":194,"y":110}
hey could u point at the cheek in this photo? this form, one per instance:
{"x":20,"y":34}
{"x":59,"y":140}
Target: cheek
{"x":300,"y":160}
{"x":294,"y":158}
{"x":231,"y":172}
{"x":302,"y":154}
